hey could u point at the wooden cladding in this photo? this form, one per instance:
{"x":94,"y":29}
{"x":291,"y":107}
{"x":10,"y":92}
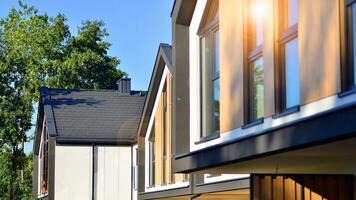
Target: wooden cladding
{"x":302,"y":187}
{"x":163,"y":137}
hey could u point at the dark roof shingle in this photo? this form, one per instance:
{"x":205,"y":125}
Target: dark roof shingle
{"x":93,"y":115}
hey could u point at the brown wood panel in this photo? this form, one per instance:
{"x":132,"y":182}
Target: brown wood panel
{"x":269,"y":57}
{"x":319,"y":49}
{"x":298,"y":191}
{"x":231,"y":60}
{"x":277,"y":187}
{"x":289,"y":189}
{"x":159,"y":144}
{"x":169,"y":129}
{"x":256,"y":188}
{"x":314,"y":187}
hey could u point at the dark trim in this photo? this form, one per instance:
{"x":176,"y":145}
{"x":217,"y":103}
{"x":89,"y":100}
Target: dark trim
{"x":252,"y":123}
{"x":96,"y":141}
{"x":48,"y":111}
{"x":221,"y":186}
{"x":164,"y":193}
{"x":347,"y":92}
{"x":328,"y":126}
{"x":286,"y":112}
{"x":208,"y":138}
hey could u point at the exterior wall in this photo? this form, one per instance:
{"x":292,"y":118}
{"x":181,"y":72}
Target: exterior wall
{"x":231,"y":49}
{"x":156,"y":124}
{"x":81,"y":172}
{"x":319,"y":60}
{"x":113,"y":173}
{"x":319,"y":50}
{"x":73,"y":172}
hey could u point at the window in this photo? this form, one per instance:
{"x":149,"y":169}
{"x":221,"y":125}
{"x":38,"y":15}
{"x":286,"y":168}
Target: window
{"x":254,"y":78}
{"x":287,"y":70}
{"x":348,"y":7}
{"x":44,"y":161}
{"x":210,"y":71}
{"x":152,"y":158}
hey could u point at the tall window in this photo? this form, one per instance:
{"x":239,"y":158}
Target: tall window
{"x":349,"y":43}
{"x":152,"y":158}
{"x":288,"y":94}
{"x":254,"y":78}
{"x":44,"y":161}
{"x":210,"y":71}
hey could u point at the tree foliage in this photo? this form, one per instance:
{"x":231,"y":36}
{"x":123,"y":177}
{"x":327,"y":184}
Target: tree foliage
{"x":38,"y":50}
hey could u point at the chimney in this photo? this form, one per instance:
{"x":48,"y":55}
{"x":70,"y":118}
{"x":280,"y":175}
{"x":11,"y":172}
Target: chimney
{"x":124,"y":85}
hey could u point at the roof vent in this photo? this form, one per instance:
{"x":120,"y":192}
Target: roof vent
{"x":124,"y":85}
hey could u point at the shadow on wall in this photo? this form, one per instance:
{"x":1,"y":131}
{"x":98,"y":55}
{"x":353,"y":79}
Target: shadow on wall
{"x":313,"y":187}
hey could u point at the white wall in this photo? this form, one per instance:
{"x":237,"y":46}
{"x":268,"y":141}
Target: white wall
{"x":73,"y":172}
{"x":74,"y":169}
{"x":114,"y":173}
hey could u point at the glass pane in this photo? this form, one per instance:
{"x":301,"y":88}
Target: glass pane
{"x":292,"y":74}
{"x":206,"y":84}
{"x":354,"y":37}
{"x":216,"y":106}
{"x":259,"y":22}
{"x":293,"y":7}
{"x":217,"y":51}
{"x":257,"y":90}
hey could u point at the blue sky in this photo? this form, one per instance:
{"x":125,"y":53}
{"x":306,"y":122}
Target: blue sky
{"x":136,"y":28}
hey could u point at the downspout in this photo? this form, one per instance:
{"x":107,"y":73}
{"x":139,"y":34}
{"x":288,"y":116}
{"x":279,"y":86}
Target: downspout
{"x":195,"y":196}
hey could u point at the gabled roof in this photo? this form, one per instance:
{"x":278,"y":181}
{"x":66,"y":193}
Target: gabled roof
{"x":92,"y":116}
{"x":182,"y":11}
{"x":163,"y":58}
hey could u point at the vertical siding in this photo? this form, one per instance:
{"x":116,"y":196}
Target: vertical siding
{"x":113,"y":177}
{"x":268,"y":55}
{"x":231,"y":71}
{"x":299,"y":187}
{"x":73,"y":172}
{"x":159,"y":144}
{"x":319,"y":49}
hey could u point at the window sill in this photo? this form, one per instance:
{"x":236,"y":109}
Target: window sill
{"x":208,"y":138}
{"x":347,"y":92}
{"x":252,"y":123}
{"x":286,"y":112}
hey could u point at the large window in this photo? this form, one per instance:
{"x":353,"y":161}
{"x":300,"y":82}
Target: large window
{"x":210,"y":72}
{"x":287,"y":70}
{"x":348,"y":43}
{"x":254,"y":78}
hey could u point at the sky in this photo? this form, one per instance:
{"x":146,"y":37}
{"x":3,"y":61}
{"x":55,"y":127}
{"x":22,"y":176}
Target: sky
{"x":136,"y":29}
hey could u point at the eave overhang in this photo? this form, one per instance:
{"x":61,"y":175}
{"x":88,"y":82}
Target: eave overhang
{"x":329,"y":126}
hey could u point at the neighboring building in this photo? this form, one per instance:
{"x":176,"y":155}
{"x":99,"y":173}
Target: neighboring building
{"x":85,"y":143}
{"x":156,"y":178}
{"x":267,"y":88}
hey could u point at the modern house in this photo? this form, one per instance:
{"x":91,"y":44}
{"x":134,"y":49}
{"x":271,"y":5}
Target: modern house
{"x":155,"y":155}
{"x":85,"y":143}
{"x":267,"y":88}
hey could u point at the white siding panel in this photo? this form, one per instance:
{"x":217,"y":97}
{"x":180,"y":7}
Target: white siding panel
{"x":113,"y":173}
{"x":73,"y":172}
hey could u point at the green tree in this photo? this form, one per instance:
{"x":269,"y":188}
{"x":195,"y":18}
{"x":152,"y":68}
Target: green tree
{"x":38,"y":50}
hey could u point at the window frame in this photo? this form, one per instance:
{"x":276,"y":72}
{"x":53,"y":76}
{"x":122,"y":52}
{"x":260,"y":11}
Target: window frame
{"x":210,"y":31}
{"x":284,"y":34}
{"x":346,"y":46}
{"x":252,"y":52}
